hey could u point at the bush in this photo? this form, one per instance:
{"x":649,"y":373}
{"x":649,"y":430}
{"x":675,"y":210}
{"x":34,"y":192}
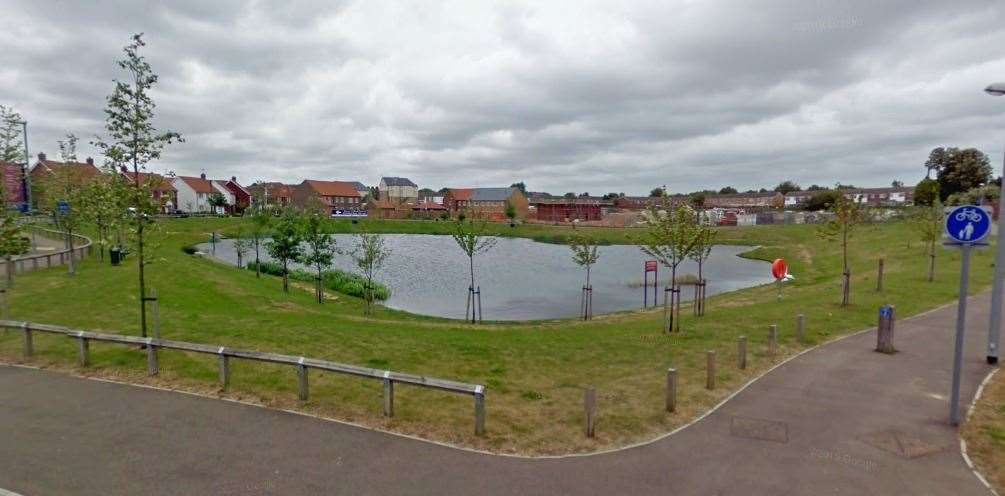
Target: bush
{"x":336,"y":280}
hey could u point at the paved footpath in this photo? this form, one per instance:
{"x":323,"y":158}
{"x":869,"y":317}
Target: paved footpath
{"x":841,"y":419}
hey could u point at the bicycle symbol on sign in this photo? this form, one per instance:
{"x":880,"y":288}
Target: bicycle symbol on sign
{"x":970,"y":214}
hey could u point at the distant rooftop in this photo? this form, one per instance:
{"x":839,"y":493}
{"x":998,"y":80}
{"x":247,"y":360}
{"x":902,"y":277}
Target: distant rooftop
{"x":398,"y":181}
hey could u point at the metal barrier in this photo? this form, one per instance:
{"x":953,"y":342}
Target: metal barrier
{"x":21,"y":264}
{"x":224,"y":354}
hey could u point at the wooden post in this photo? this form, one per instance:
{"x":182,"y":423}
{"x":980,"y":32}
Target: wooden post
{"x":83,"y":346}
{"x":388,"y":395}
{"x":224,"y":365}
{"x":302,"y":380}
{"x":772,"y":340}
{"x":884,"y":331}
{"x":710,"y":369}
{"x":801,"y":328}
{"x":879,"y":276}
{"x":590,"y":405}
{"x":741,"y":353}
{"x":671,"y":390}
{"x":479,"y":411}
{"x":28,"y":344}
{"x":155,"y":312}
{"x":151,"y":358}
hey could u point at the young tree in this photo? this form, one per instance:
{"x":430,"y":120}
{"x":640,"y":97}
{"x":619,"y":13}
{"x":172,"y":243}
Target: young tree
{"x":320,"y":249}
{"x":470,"y":237}
{"x":133,"y":139}
{"x":285,"y":243}
{"x":11,"y":138}
{"x":704,"y":240}
{"x":11,"y":150}
{"x":369,"y":255}
{"x":261,"y":220}
{"x":510,"y":211}
{"x":926,"y":192}
{"x":848,"y":215}
{"x":102,"y":204}
{"x":669,"y":237}
{"x":927,"y":220}
{"x":241,"y":247}
{"x":217,"y":201}
{"x":585,"y":253}
{"x":66,"y":198}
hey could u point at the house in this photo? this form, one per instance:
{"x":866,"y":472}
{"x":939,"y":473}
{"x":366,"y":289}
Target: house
{"x":242,"y":197}
{"x":272,"y":193}
{"x":161,"y":188}
{"x":364,"y":190}
{"x":398,"y":190}
{"x":44,"y":171}
{"x":868,"y":196}
{"x":570,"y":209}
{"x":338,"y":198}
{"x":194,"y":193}
{"x":643,"y":202}
{"x":489,"y":203}
{"x":767,"y":199}
{"x":13,"y":183}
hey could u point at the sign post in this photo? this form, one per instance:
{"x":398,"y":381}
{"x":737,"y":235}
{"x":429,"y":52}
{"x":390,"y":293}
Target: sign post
{"x":966,"y":226}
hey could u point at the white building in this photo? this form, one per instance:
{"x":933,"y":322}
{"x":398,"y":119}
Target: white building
{"x":194,"y":193}
{"x":398,"y":190}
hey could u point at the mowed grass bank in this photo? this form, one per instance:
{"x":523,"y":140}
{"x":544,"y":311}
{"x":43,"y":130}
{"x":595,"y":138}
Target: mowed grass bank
{"x":984,"y":433}
{"x":535,"y":372}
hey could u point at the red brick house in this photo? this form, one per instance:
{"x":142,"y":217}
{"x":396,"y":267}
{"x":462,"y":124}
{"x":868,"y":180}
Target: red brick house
{"x":569,"y":209}
{"x":161,"y":188}
{"x":332,"y":195}
{"x":13,"y":183}
{"x":45,"y":170}
{"x":489,"y":203}
{"x":272,"y":193}
{"x":242,"y":197}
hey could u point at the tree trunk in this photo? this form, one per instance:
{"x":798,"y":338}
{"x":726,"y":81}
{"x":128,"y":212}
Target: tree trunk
{"x":286,"y":278}
{"x":143,"y":287}
{"x":846,"y":288}
{"x":258,"y":267}
{"x":321,"y":294}
{"x":931,"y":263}
{"x":69,"y":241}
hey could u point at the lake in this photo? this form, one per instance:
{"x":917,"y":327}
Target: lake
{"x":522,"y":279}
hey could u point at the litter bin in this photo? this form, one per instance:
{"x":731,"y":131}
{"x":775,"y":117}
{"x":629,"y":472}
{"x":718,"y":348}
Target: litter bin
{"x":115,"y":255}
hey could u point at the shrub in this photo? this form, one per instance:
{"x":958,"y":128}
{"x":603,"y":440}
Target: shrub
{"x":336,"y":280}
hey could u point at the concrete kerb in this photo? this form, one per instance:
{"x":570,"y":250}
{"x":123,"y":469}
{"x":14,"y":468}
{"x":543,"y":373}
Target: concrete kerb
{"x":660,"y":437}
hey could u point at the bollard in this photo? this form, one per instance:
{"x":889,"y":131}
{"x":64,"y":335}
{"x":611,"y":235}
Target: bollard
{"x":671,"y":390}
{"x":884,"y":331}
{"x":224,"y":362}
{"x":590,"y":405}
{"x":801,"y":328}
{"x":479,"y":410}
{"x":151,"y":357}
{"x":28,"y":344}
{"x":83,"y":347}
{"x":741,"y":353}
{"x":772,"y":340}
{"x":710,"y":369}
{"x":879,"y":276}
{"x":302,"y":380}
{"x":388,"y":395}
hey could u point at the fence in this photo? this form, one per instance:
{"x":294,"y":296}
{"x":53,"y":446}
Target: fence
{"x":33,"y":262}
{"x":224,"y":355}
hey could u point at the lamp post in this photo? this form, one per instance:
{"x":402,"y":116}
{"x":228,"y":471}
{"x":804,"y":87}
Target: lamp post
{"x":26,"y":172}
{"x":994,"y":328}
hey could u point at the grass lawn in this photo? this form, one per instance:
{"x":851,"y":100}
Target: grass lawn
{"x":534,"y":372}
{"x":985,"y":433}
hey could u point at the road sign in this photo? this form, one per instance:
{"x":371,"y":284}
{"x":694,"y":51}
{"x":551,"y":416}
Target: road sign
{"x":650,"y":266}
{"x":968,"y":224}
{"x":63,"y":207}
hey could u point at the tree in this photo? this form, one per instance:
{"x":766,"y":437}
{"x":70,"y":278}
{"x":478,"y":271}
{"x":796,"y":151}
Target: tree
{"x":66,"y":187}
{"x":217,"y":201}
{"x":697,"y":199}
{"x":669,"y":237}
{"x":927,"y":221}
{"x":847,"y":216}
{"x":133,"y":139}
{"x":510,"y":211}
{"x":261,"y":219}
{"x":926,"y":192}
{"x":570,"y":195}
{"x":703,"y":242}
{"x":12,"y":241}
{"x":471,"y":238}
{"x":285,"y":243}
{"x":241,"y":247}
{"x":104,"y":204}
{"x":520,"y":186}
{"x":958,"y":170}
{"x":821,"y":200}
{"x":320,"y":249}
{"x":786,"y":187}
{"x":976,"y":196}
{"x":897,"y":184}
{"x":844,"y":186}
{"x":11,"y":139}
{"x":658,"y":192}
{"x":728,"y":190}
{"x":585,"y":253}
{"x":369,"y":255}
{"x":815,"y":187}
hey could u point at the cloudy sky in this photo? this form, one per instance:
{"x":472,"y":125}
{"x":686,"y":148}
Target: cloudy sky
{"x":566,"y":96}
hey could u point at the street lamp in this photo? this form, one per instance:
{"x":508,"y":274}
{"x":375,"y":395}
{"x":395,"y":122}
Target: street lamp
{"x":994,"y":328}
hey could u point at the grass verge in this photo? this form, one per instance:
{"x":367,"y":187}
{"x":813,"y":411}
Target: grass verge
{"x":984,"y":433}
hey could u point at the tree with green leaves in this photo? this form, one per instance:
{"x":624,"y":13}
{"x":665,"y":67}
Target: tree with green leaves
{"x":66,"y":187}
{"x":11,"y":137}
{"x":669,"y":236}
{"x":658,"y":192}
{"x":284,"y":246}
{"x":11,"y":150}
{"x":786,"y":187}
{"x":927,"y":221}
{"x":926,"y":192}
{"x":241,"y":247}
{"x":520,"y":186}
{"x":132,"y":139}
{"x":319,"y":250}
{"x":261,"y":220}
{"x":703,"y":242}
{"x":217,"y":201}
{"x":471,"y":238}
{"x":585,"y":253}
{"x":510,"y":211}
{"x":848,"y":215}
{"x":728,"y":190}
{"x":103,"y":205}
{"x":958,"y":170}
{"x":369,"y":254}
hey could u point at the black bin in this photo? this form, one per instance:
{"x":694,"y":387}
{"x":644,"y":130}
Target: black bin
{"x":115,"y":255}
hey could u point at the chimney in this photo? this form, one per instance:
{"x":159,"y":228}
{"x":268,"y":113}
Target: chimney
{"x":41,"y":157}
{"x":90,"y":161}
{"x":202,"y":176}
{"x":233,"y":178}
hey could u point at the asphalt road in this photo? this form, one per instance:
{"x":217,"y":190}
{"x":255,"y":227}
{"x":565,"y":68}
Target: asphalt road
{"x":841,"y":419}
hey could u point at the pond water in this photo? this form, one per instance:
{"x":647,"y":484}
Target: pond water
{"x":523,"y":279}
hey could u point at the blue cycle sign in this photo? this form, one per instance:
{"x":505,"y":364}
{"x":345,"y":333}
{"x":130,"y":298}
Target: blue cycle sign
{"x":968,"y":224}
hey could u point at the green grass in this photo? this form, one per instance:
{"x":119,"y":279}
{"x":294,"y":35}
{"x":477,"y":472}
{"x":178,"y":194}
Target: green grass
{"x":347,"y":283}
{"x":534,"y":372}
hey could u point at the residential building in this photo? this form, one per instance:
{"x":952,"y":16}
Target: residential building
{"x":335,"y":197}
{"x":194,"y":193}
{"x":241,"y":196}
{"x":13,"y":183}
{"x":272,"y":193}
{"x":768,"y":199}
{"x":642,"y":202}
{"x":869,"y":196}
{"x":162,"y":189}
{"x":45,"y":170}
{"x":398,"y":190}
{"x":489,"y":203}
{"x":570,"y":209}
